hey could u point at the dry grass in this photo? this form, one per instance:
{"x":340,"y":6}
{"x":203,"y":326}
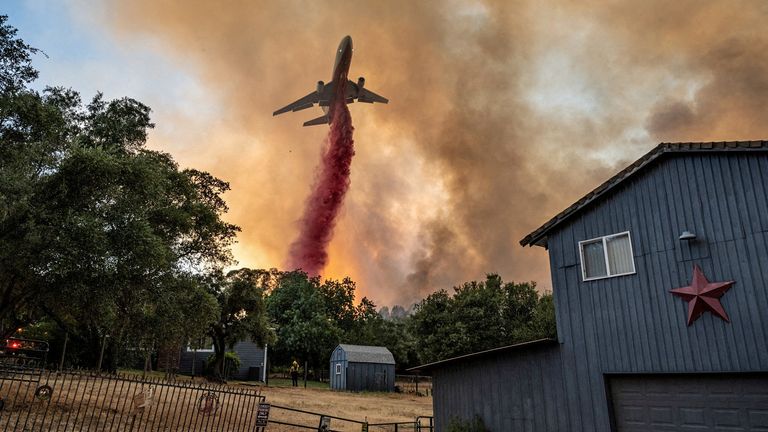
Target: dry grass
{"x":375,"y":407}
{"x":83,"y":402}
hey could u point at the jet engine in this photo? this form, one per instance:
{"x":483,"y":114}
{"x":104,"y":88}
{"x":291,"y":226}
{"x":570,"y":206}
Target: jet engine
{"x":320,"y":87}
{"x":360,"y":83}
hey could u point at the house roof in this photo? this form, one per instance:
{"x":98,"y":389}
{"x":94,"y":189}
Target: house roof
{"x":539,"y":236}
{"x":368,"y":354}
{"x":508,"y":348}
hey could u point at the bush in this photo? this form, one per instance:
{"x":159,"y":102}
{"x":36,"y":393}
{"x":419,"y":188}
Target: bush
{"x":460,"y":425}
{"x":231,"y":364}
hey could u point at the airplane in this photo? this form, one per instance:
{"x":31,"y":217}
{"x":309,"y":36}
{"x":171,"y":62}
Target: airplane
{"x":325,"y":94}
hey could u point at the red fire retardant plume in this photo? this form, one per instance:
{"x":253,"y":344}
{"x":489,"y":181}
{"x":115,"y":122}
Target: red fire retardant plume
{"x":309,"y":251}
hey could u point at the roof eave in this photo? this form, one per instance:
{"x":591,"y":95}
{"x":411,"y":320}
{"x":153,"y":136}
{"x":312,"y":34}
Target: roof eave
{"x":479,"y":354}
{"x":539,"y":236}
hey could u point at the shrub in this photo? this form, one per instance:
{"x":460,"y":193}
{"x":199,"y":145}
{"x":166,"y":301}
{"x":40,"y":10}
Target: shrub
{"x":231,"y":363}
{"x":460,"y":425}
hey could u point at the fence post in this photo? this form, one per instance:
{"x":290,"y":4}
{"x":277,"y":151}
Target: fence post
{"x":417,"y":384}
{"x":305,"y":374}
{"x":63,"y":351}
{"x":101,"y":355}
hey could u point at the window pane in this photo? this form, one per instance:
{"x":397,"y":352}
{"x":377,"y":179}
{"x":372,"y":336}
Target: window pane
{"x":619,"y":254}
{"x":594,"y":259}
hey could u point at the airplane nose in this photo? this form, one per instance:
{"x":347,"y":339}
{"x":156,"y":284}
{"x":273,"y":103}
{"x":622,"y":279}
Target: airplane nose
{"x":348,"y":41}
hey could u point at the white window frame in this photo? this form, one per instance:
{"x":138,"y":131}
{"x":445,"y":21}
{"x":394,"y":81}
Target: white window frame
{"x":338,"y":368}
{"x":604,"y":239}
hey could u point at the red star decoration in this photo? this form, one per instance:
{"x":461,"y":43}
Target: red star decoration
{"x":703,"y":295}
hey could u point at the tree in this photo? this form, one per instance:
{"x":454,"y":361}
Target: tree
{"x":97,"y":233}
{"x":479,"y":316}
{"x":240,"y":295}
{"x":302,"y":314}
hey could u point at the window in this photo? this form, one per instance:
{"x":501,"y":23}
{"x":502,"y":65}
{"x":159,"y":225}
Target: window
{"x":338,"y":368}
{"x":606,"y":256}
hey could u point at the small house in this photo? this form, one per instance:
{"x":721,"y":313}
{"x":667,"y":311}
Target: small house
{"x":192,"y":361}
{"x":362,"y":368}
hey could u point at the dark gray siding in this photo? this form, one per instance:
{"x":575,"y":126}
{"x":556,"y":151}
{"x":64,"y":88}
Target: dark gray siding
{"x":370,"y":377}
{"x":632,"y":324}
{"x":359,"y":376}
{"x":521,"y":390}
{"x":251,"y":355}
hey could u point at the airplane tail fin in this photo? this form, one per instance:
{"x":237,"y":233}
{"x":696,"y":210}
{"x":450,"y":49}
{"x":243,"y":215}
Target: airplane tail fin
{"x":318,"y":121}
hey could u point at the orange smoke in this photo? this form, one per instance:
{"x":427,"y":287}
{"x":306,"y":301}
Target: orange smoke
{"x":502,"y":113}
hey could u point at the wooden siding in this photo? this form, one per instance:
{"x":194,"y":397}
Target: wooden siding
{"x":632,"y":324}
{"x":338,"y":382}
{"x":358,"y":376}
{"x":370,"y":377}
{"x":520,"y":390}
{"x":251,"y":355}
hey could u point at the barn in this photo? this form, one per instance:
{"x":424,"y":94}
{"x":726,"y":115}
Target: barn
{"x":660,"y":282}
{"x":362,"y":368}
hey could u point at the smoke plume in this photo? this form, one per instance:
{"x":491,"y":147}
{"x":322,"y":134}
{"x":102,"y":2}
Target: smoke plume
{"x":501,"y":114}
{"x":308,"y":252}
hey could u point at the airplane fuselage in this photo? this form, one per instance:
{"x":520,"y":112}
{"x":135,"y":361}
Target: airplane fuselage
{"x":343,"y":60}
{"x":340,"y":72}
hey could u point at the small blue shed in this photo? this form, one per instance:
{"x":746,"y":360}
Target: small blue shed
{"x":362,"y":368}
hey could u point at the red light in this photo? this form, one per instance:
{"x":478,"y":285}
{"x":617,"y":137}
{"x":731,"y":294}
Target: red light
{"x":15,"y":345}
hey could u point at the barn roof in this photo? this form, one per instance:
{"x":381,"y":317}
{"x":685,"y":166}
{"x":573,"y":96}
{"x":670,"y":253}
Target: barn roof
{"x":368,"y":354}
{"x":508,"y":348}
{"x":539,"y":236}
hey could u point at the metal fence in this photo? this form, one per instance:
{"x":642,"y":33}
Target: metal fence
{"x":419,"y":385}
{"x":38,"y":400}
{"x":282,"y":418}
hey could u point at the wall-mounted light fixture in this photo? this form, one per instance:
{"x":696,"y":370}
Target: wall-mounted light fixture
{"x":687,"y":236}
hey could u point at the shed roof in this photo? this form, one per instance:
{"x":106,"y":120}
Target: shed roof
{"x":539,"y":236}
{"x":368,"y":354}
{"x":519,"y":346}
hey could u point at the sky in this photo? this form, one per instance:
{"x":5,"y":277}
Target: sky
{"x":501,"y":114}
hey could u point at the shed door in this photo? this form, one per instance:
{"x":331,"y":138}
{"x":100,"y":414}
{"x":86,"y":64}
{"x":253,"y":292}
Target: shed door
{"x":713,"y":402}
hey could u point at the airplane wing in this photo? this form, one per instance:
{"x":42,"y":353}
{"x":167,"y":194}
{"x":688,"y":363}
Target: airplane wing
{"x":363,"y":95}
{"x":306,"y":102}
{"x":368,"y":96}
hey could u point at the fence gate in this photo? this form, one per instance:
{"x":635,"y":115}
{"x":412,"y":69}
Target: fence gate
{"x":37,"y":400}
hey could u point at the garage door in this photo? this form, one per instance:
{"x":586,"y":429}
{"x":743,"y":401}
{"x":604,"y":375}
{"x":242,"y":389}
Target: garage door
{"x":718,"y":402}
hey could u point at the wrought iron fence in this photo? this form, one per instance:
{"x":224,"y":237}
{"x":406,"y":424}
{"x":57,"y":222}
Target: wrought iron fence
{"x":34,"y":399}
{"x":38,"y":400}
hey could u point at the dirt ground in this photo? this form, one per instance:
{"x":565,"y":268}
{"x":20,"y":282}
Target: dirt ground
{"x":376,"y":407}
{"x":79,"y":401}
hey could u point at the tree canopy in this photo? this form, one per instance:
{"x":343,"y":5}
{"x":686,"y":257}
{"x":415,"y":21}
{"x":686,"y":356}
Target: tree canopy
{"x":480,"y":316}
{"x":97,"y":232}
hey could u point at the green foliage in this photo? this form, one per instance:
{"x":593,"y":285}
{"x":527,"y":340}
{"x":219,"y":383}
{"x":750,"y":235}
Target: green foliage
{"x":305,"y":318}
{"x":231,"y":364}
{"x":480,"y":316}
{"x":97,"y":233}
{"x":312,"y":318}
{"x":458,"y":425}
{"x":16,"y":67}
{"x":241,"y":310}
